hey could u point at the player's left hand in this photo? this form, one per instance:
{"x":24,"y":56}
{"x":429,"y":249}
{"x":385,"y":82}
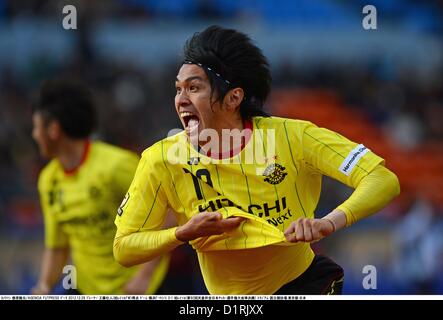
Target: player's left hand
{"x":309,"y":230}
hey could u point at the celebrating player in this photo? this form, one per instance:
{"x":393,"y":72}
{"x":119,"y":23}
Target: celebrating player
{"x":250,"y":221}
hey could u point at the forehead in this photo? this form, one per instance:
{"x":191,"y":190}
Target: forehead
{"x":37,"y":117}
{"x":188,"y":71}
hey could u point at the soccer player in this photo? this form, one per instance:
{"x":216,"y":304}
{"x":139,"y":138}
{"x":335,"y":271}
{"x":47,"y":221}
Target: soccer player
{"x":250,"y":221}
{"x":80,"y":191}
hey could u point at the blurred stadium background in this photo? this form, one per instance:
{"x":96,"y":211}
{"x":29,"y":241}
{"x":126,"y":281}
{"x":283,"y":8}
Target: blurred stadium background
{"x":381,"y":87}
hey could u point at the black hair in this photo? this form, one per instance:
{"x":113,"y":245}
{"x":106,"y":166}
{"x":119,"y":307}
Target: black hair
{"x":70,"y":103}
{"x":231,"y":60}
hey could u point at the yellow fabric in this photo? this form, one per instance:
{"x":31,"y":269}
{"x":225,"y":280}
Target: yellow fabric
{"x":373,"y":193}
{"x":79,"y":210}
{"x":271,"y":191}
{"x":263,"y":234}
{"x":255,"y":271}
{"x":137,"y":247}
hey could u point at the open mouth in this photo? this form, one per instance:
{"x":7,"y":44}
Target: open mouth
{"x":191,"y":121}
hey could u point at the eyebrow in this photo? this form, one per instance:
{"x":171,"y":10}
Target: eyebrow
{"x":190,"y":79}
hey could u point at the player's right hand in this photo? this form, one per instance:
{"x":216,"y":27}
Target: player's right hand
{"x":40,"y":289}
{"x":206,"y":224}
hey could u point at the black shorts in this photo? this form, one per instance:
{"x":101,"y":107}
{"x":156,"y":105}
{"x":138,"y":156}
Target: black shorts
{"x":323,"y":276}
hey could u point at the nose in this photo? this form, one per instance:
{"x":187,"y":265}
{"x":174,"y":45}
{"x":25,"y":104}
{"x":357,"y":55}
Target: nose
{"x":182,"y":99}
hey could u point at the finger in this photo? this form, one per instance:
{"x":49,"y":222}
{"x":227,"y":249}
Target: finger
{"x":290,"y":230}
{"x":231,"y":223}
{"x":235,"y":221}
{"x":307,"y":230}
{"x":291,"y":237}
{"x":316,"y":231}
{"x":214,"y":215}
{"x":234,"y":217}
{"x":299,"y":232}
{"x":316,"y":235}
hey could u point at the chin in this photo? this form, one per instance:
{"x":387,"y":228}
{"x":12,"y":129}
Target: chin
{"x":44,"y":153}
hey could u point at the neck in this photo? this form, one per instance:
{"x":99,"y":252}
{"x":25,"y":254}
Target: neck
{"x":233,"y":140}
{"x":71,"y":153}
{"x":226,"y":143}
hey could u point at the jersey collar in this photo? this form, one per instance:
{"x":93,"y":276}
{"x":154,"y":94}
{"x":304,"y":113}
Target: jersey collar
{"x":247,"y":124}
{"x":86,"y":150}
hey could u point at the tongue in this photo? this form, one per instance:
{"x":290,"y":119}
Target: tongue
{"x":193,"y":123}
{"x":193,"y":130}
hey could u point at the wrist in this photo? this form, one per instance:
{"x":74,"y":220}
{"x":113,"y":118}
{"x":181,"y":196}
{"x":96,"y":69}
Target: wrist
{"x":334,"y":227}
{"x":338,"y":218}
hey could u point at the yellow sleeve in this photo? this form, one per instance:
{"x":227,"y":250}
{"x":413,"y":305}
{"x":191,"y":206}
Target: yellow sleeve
{"x":141,"y":215}
{"x":145,"y":204}
{"x":54,"y":235}
{"x":142,"y":246}
{"x":374,"y":192}
{"x":334,"y":155}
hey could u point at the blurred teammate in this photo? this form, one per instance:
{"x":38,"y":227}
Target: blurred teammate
{"x":80,"y":191}
{"x":251,"y":222}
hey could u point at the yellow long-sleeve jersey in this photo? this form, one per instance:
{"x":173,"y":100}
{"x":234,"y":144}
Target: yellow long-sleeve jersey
{"x":79,"y":209}
{"x":274,"y":180}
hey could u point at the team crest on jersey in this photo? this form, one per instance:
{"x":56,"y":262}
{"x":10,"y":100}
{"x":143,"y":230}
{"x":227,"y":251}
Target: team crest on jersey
{"x":275,"y":173}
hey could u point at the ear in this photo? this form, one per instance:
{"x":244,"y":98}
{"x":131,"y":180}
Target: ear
{"x":54,"y":130}
{"x":234,"y":98}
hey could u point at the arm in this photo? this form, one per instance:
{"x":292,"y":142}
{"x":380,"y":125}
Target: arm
{"x":51,"y":268}
{"x":139,"y":237}
{"x":56,"y":250}
{"x":141,"y":216}
{"x":136,"y":247}
{"x":373,"y":192}
{"x":206,"y":224}
{"x":140,"y":283}
{"x":142,"y":246}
